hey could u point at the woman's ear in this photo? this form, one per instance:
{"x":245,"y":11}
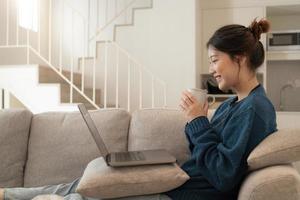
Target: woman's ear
{"x":240,"y":59}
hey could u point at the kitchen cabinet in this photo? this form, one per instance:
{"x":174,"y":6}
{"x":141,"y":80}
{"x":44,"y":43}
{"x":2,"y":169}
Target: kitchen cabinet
{"x":283,"y":66}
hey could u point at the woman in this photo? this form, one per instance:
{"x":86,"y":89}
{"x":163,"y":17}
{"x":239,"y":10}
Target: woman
{"x":219,"y":149}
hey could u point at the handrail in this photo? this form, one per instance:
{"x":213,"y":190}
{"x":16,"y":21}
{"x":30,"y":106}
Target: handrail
{"x":75,"y":10}
{"x":99,"y":30}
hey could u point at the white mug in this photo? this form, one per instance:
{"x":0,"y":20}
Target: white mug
{"x":201,"y":95}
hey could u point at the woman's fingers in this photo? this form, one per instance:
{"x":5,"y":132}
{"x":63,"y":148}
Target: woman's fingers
{"x":181,"y":107}
{"x":184,"y":104}
{"x":187,"y":98}
{"x":190,"y":96}
{"x":205,"y":106}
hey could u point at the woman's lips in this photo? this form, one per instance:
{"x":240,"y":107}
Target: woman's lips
{"x":218,"y":78}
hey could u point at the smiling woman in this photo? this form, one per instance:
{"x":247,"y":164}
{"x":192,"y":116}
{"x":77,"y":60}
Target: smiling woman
{"x":28,"y":14}
{"x":220,"y":147}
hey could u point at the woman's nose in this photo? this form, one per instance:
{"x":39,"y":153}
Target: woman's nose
{"x":211,"y":70}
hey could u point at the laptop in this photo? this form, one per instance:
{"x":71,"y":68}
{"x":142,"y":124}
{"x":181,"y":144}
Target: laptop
{"x":129,"y":158}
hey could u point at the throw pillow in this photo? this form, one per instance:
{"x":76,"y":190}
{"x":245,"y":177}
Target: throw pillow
{"x":279,"y":148}
{"x":102,"y":181}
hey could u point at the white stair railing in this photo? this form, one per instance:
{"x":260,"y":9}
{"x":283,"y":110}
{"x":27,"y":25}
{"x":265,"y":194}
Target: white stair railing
{"x":109,"y":22}
{"x":58,"y":62}
{"x":118,"y":14}
{"x":4,"y":99}
{"x":141,"y":69}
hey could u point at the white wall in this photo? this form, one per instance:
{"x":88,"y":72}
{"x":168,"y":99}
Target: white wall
{"x":163,"y":39}
{"x":86,"y":16}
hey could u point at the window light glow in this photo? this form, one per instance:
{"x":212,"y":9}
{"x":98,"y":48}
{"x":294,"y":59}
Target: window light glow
{"x":28,"y":14}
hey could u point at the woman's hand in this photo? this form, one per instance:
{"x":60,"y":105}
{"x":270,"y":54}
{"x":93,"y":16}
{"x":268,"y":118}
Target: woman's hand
{"x":191,"y":107}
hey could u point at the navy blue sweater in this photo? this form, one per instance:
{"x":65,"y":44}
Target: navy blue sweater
{"x":219,"y":149}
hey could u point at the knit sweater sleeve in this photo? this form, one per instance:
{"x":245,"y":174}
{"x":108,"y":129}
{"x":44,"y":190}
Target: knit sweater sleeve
{"x":221,"y":159}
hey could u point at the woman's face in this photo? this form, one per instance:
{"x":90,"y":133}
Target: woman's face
{"x":224,"y":69}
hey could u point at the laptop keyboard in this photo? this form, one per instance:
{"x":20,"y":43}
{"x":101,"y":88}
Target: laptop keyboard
{"x":130,"y":156}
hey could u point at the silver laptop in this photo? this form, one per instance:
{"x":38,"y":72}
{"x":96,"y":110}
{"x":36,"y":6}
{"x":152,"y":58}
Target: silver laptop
{"x":131,"y":158}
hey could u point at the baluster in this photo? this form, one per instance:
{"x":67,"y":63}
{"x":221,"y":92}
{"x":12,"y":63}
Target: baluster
{"x":97,"y":13}
{"x":165,"y":95}
{"x":152,"y":90}
{"x":128,"y":85}
{"x":106,"y":12}
{"x":117,"y":77}
{"x":7,"y":22}
{"x":83,"y":67}
{"x":88,"y":25}
{"x":27,"y":36}
{"x":61,"y":33}
{"x":2,"y":98}
{"x":72,"y":61}
{"x":82,"y":74}
{"x":50,"y":31}
{"x":6,"y":103}
{"x":39,"y":25}
{"x":105,"y":74}
{"x":116,"y":8}
{"x":141,"y":87}
{"x":17,"y":27}
{"x":94,"y":79}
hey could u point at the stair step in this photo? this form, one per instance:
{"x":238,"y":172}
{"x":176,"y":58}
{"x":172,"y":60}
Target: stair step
{"x":77,"y":97}
{"x":8,"y":55}
{"x":48,"y":75}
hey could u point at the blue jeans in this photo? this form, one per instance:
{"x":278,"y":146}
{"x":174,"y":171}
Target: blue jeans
{"x":65,"y":190}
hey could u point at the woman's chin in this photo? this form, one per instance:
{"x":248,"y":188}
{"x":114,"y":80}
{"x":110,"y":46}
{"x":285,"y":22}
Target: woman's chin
{"x":222,"y":87}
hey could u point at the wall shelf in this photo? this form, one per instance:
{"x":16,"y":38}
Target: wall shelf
{"x":283,"y":55}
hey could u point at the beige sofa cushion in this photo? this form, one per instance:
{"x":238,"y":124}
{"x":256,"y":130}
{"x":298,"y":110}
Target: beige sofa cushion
{"x":60,"y":145}
{"x":157,"y":129}
{"x":274,"y":183}
{"x":14,"y":131}
{"x":279,"y":148}
{"x":102,"y":181}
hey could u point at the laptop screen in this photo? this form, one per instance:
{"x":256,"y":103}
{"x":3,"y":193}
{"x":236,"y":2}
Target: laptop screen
{"x":93,"y":130}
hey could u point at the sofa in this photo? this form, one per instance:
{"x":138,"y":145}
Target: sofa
{"x":55,"y":147}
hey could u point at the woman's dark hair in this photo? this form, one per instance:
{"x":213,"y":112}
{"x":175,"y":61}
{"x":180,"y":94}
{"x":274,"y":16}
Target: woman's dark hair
{"x":240,"y":40}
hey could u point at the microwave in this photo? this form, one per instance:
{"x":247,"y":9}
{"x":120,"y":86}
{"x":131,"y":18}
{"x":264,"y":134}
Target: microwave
{"x":283,"y":40}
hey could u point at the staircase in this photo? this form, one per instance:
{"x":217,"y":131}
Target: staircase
{"x":22,"y":82}
{"x":48,"y":76}
{"x":108,"y":78}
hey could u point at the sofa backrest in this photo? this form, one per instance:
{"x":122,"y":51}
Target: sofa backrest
{"x":60,"y":145}
{"x":14,"y":131}
{"x":157,"y":129}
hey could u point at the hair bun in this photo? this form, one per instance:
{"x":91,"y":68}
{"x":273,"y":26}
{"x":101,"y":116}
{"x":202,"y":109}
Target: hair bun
{"x":259,"y":27}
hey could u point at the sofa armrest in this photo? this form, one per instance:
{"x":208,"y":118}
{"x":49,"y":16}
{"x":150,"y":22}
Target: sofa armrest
{"x":275,"y":182}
